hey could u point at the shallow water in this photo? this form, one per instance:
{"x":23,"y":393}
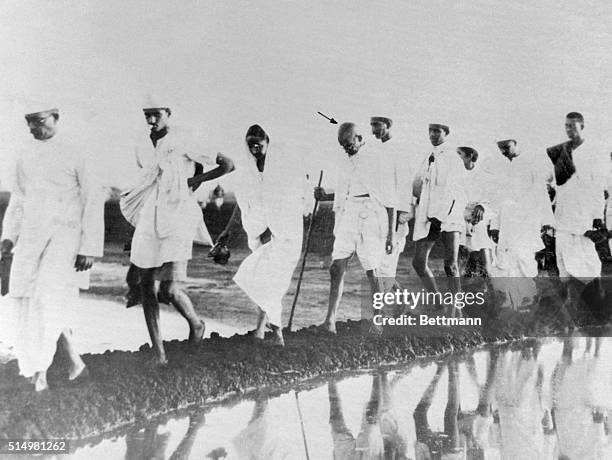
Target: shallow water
{"x":536,"y":402}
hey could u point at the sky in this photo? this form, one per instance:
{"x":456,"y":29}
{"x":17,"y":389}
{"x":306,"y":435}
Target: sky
{"x":490,"y":69}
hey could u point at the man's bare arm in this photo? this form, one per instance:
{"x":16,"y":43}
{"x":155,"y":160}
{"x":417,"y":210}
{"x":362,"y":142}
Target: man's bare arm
{"x":225,"y":166}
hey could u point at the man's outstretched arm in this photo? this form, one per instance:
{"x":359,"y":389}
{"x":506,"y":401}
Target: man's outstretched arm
{"x":225,"y":166}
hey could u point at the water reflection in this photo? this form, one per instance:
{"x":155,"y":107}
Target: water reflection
{"x":545,"y":401}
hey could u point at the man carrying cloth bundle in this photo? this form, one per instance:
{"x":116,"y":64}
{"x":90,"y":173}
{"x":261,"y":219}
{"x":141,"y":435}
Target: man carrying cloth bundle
{"x":364,"y":207}
{"x":167,"y":218}
{"x":581,"y":178}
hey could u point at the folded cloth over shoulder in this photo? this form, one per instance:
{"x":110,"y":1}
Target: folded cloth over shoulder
{"x":132,"y":201}
{"x":561,"y":156}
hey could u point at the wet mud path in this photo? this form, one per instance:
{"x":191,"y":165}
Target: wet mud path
{"x":125,"y":388}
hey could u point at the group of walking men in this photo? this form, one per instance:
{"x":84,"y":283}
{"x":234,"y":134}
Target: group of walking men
{"x":54,"y":224}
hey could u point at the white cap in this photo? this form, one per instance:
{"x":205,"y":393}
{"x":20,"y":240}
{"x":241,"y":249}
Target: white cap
{"x":151,"y":102}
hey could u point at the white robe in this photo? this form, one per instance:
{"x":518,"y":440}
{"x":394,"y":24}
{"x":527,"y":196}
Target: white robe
{"x":522,"y":206}
{"x":579,"y":201}
{"x":56,"y":211}
{"x":273,"y":199}
{"x":439,"y":189}
{"x":397,"y":158}
{"x":169,"y":218}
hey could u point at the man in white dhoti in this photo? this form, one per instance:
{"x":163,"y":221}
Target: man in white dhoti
{"x":168,"y":220}
{"x":581,"y":175}
{"x":55,"y":222}
{"x":364,"y":207}
{"x":270,"y":197}
{"x":438,"y":188}
{"x":401,"y":167}
{"x":522,"y":211}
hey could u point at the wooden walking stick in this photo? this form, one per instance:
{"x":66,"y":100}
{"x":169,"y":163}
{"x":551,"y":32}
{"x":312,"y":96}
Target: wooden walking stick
{"x":299,"y":283}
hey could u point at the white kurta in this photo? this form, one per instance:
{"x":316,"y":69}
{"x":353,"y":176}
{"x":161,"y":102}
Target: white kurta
{"x":273,"y":199}
{"x":578,"y":202}
{"x":170,"y":219}
{"x":439,"y":186}
{"x":397,"y":158}
{"x":56,"y":211}
{"x":361,"y":224}
{"x":522,"y":207}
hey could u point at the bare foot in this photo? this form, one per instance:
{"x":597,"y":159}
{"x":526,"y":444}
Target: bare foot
{"x":277,"y":338}
{"x":157,"y":360}
{"x":260,"y":332}
{"x":197,"y":335}
{"x":76,"y":370}
{"x":39,"y":380}
{"x":328,"y":326}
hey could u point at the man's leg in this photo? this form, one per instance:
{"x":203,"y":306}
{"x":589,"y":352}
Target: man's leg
{"x":150,"y":307}
{"x":77,"y":366}
{"x":262,"y":320}
{"x":376,"y":285}
{"x":451,"y":258}
{"x":132,"y":279}
{"x":337,"y":271}
{"x":180,"y":300}
{"x":420,"y":263}
{"x":451,"y":264}
{"x":39,"y":380}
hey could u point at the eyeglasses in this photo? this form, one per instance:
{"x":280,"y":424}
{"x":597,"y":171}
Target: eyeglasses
{"x":432,"y":158}
{"x":37,"y":120}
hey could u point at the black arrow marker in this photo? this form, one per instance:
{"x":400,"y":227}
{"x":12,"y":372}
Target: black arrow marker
{"x":331,"y":120}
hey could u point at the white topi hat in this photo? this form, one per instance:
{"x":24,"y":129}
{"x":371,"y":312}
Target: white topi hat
{"x":151,"y":102}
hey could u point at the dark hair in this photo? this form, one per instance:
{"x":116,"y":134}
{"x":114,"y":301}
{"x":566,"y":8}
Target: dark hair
{"x":576,"y":116}
{"x":258,"y":132}
{"x":469,"y":151}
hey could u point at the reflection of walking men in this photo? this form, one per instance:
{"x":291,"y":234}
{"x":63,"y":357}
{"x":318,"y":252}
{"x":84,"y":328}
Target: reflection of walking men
{"x":369,"y":442}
